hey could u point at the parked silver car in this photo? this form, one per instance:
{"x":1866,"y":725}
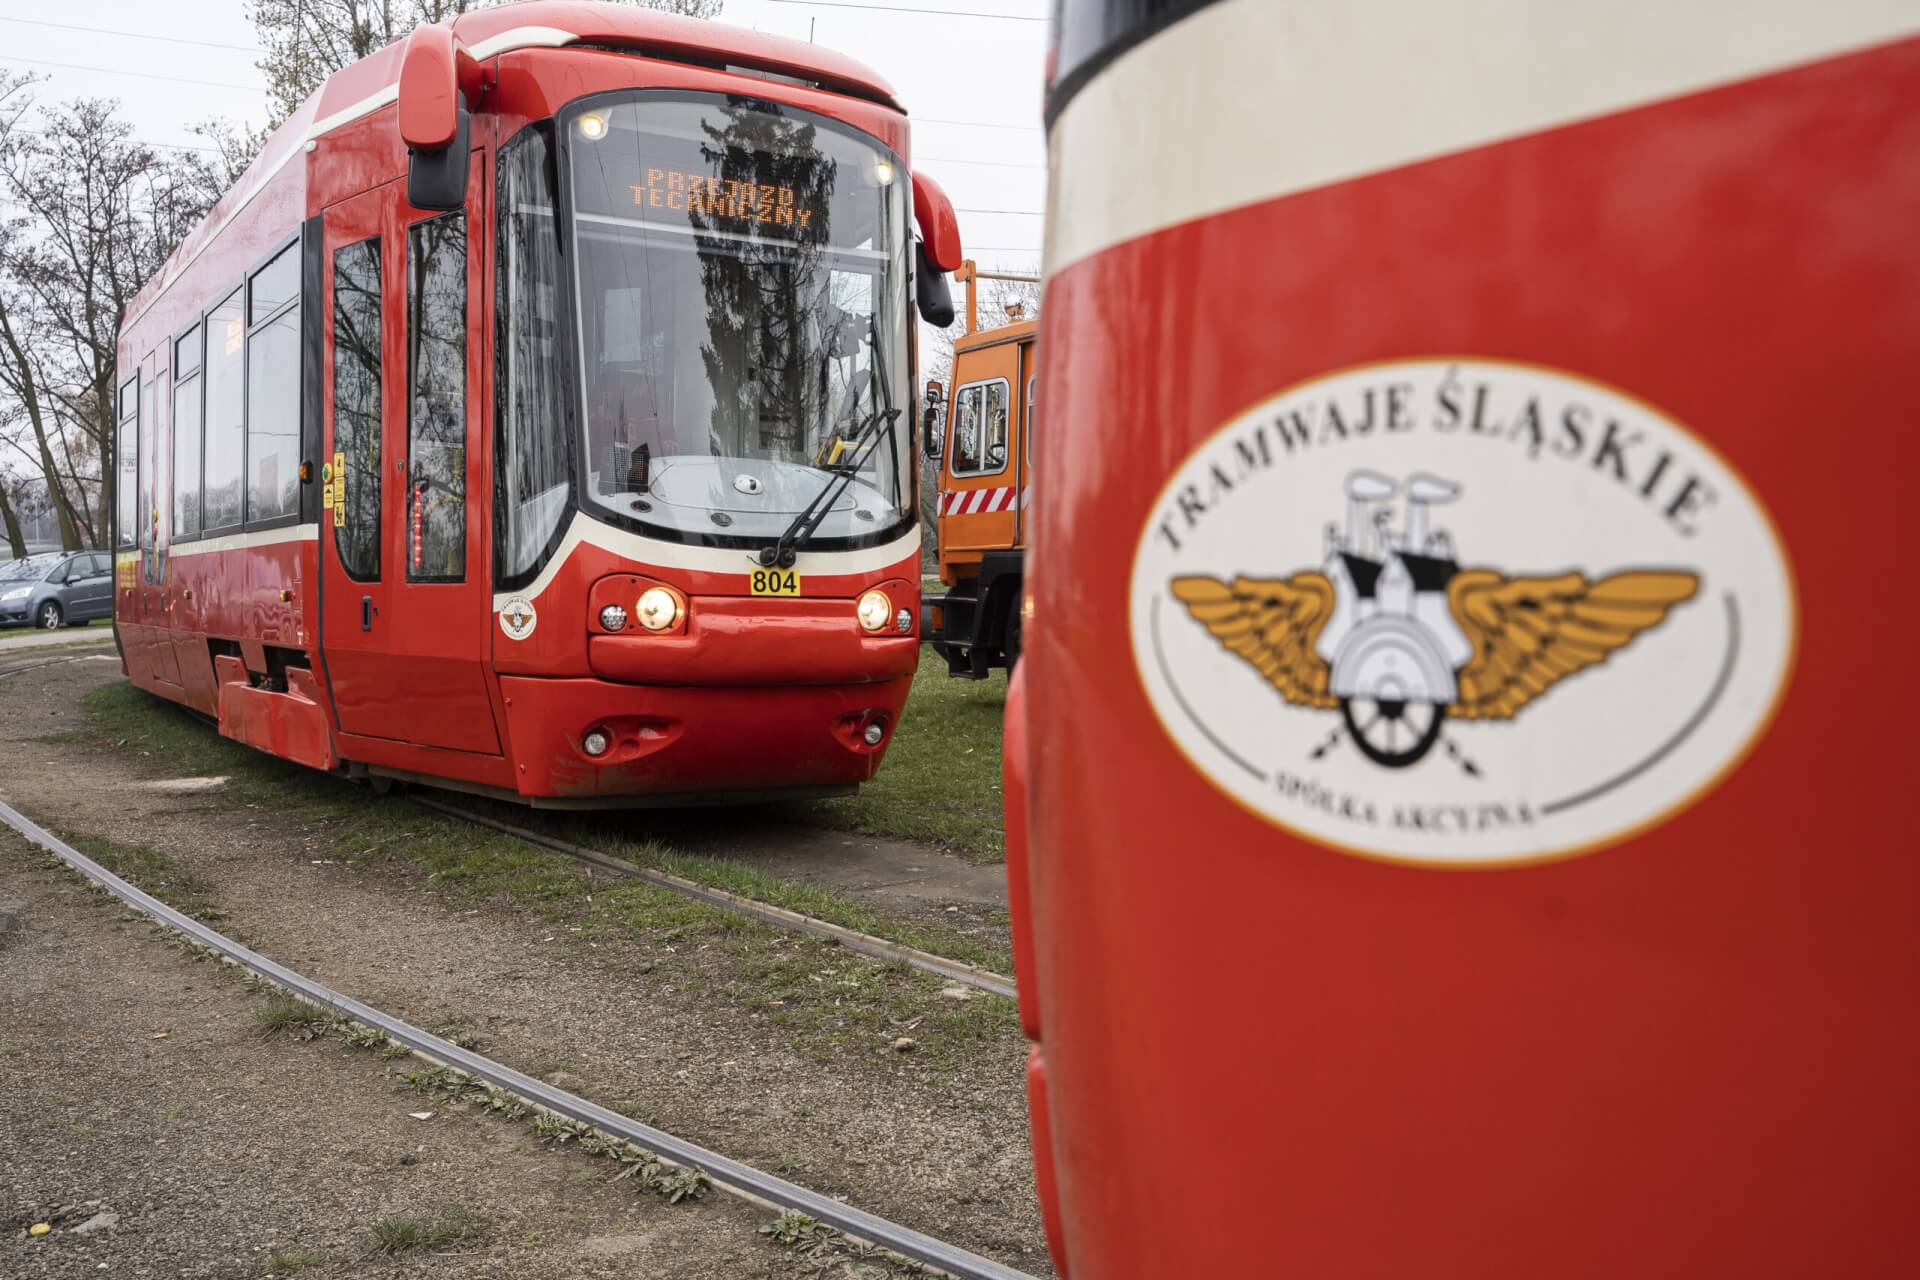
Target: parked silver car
{"x":60,"y":589}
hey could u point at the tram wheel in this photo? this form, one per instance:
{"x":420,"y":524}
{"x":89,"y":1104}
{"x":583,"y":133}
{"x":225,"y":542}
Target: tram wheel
{"x":1393,"y":732}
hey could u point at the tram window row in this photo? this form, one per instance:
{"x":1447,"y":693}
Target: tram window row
{"x":235,"y":401}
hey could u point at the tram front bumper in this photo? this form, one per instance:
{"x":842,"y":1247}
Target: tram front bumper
{"x":669,"y":744}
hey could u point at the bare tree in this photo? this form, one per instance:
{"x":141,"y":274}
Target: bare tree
{"x":95,"y":213}
{"x":308,"y":40}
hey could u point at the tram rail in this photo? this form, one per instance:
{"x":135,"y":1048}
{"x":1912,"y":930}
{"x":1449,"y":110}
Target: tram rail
{"x":731,"y":1175}
{"x":766,"y":913}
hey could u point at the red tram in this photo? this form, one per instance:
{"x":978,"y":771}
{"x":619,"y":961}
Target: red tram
{"x":1459,"y":812}
{"x":535,"y":417}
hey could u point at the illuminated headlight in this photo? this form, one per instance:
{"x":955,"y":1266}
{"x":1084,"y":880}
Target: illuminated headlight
{"x":592,"y":126}
{"x":903,"y":621}
{"x":875,"y":610}
{"x":659,"y":609}
{"x":613,"y":618}
{"x":18,"y":593}
{"x":595,"y":743}
{"x":882,"y":172}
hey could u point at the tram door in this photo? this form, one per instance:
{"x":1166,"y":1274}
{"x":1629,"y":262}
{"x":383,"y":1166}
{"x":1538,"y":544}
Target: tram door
{"x":406,"y":606}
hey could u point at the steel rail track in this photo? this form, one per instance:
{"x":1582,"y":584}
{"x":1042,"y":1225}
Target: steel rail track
{"x":741,"y":1179}
{"x":766,"y":913}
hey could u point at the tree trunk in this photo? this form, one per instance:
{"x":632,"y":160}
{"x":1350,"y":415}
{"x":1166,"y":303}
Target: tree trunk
{"x":29,"y":392}
{"x":16,"y":536}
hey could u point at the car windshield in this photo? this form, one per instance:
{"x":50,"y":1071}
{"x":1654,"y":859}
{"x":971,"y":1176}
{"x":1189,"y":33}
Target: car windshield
{"x":31,"y":569}
{"x":741,"y":298}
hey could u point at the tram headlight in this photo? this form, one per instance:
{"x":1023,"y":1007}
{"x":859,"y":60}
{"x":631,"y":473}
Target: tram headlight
{"x":613,"y":618}
{"x":658,"y":609}
{"x":875,"y":610}
{"x":595,"y":743}
{"x":592,"y":126}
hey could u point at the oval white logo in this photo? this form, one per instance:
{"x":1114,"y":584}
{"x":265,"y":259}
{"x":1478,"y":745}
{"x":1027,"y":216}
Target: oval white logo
{"x":517,"y":618}
{"x":1460,"y":612}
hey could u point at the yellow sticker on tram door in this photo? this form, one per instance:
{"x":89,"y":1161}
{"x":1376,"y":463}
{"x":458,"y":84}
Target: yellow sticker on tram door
{"x":775,"y":582}
{"x":337,"y":490}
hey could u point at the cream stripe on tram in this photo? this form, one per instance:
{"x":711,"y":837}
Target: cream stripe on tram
{"x":1195,"y":120}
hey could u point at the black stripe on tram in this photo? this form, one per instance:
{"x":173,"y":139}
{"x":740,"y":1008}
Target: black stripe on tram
{"x":1090,"y":34}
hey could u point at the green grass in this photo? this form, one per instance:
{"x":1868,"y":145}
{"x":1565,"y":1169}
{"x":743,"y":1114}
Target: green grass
{"x":832,"y":1000}
{"x":940,"y":781}
{"x":286,"y":1262}
{"x":407,"y":1235}
{"x":149,"y":869}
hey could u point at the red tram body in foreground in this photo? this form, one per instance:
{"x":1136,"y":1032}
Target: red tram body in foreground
{"x":512,"y":492}
{"x":1483,"y":579}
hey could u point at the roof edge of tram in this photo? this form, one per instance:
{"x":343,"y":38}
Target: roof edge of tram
{"x":363,"y":87}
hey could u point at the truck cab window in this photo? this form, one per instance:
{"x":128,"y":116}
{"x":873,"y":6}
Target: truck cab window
{"x":980,"y":428}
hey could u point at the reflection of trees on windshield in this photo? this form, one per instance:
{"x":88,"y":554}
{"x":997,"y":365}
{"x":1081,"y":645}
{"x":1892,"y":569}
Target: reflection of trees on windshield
{"x":769,"y":320}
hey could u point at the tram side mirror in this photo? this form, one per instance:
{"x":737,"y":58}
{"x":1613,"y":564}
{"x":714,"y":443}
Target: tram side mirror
{"x":930,"y":287}
{"x":438,"y":179}
{"x":437,"y":79}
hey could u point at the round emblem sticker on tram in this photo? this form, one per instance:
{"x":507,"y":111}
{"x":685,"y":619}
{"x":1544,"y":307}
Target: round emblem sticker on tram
{"x":517,"y":618}
{"x":1460,"y":612}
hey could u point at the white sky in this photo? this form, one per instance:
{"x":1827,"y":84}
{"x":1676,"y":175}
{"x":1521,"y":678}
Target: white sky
{"x":946,"y":67}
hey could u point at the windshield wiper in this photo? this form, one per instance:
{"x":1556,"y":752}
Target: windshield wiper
{"x":878,"y":426}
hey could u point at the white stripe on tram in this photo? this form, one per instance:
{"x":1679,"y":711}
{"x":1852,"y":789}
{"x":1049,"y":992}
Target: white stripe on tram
{"x":1248,"y":100}
{"x":644,"y":551}
{"x":244,"y":541}
{"x":505,"y":42}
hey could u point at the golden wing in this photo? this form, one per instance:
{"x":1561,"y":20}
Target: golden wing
{"x":1272,"y":623}
{"x":1528,"y":634}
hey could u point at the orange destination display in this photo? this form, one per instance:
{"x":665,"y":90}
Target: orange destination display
{"x":728,"y":198}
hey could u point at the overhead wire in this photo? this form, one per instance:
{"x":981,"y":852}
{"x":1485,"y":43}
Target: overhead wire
{"x":144,"y":75}
{"x":131,"y":35}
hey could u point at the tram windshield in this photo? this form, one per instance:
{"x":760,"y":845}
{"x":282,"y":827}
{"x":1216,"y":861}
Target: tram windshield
{"x":741,"y":293}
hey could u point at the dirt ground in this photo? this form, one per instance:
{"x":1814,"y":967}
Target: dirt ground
{"x":943,"y":1151}
{"x":138,"y":1094}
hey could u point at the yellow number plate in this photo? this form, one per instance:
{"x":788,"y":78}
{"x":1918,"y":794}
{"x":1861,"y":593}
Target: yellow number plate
{"x":776,"y":582}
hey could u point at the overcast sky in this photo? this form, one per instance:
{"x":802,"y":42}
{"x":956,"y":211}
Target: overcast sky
{"x":972,"y":82}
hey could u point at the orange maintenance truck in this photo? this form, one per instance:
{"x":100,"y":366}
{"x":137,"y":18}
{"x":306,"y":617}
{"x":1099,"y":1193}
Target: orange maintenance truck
{"x":980,"y":435}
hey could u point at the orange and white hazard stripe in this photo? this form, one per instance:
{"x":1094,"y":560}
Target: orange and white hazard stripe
{"x":966,"y":502}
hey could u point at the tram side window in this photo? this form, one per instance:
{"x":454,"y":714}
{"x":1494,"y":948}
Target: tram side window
{"x":126,"y":463}
{"x":980,"y":428}
{"x":273,"y":389}
{"x":146,"y":518}
{"x":186,"y":434}
{"x":225,"y":425}
{"x":356,"y":406}
{"x":533,"y":477}
{"x":437,"y":399}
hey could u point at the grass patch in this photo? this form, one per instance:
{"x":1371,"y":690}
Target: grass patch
{"x":409,"y":1235}
{"x":286,"y":1262}
{"x":282,"y":1012}
{"x":183,"y":890}
{"x":941,"y":778}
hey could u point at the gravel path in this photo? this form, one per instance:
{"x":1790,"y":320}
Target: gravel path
{"x":145,"y":1117}
{"x":640,"y":1029}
